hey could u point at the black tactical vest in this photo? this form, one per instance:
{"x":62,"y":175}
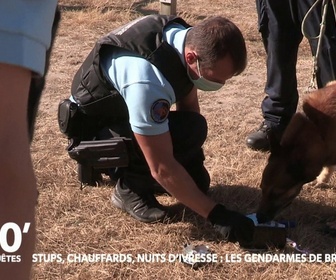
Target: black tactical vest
{"x":95,"y":94}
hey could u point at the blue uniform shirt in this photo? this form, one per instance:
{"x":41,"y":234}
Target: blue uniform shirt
{"x":146,"y":91}
{"x":25,"y":32}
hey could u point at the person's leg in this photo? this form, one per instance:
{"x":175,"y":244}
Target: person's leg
{"x":326,"y":63}
{"x":327,"y":58}
{"x":262,"y":21}
{"x":281,"y":38}
{"x":189,"y":131}
{"x":135,"y":189}
{"x":18,"y":194}
{"x":18,"y":191}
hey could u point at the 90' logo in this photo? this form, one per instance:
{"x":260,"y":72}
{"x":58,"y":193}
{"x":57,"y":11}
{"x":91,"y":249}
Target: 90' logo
{"x":17,"y":236}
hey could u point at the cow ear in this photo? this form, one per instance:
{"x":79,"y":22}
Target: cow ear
{"x":294,"y":127}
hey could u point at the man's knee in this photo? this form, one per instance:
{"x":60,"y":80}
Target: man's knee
{"x":188,"y":129}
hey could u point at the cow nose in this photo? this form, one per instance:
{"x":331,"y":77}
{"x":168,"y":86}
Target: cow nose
{"x":262,"y":218}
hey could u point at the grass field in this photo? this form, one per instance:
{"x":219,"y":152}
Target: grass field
{"x":73,"y":221}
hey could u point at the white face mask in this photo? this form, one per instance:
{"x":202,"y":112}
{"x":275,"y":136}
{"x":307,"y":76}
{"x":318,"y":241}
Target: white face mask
{"x":204,"y":84}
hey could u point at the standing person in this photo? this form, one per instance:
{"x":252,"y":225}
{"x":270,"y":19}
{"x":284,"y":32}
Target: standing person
{"x":127,"y":85}
{"x":280,"y":28}
{"x":25,"y":36}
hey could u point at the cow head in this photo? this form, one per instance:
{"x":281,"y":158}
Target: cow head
{"x":296,"y":160}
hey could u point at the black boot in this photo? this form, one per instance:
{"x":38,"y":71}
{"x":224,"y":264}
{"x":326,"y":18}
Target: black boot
{"x":142,"y":206}
{"x":259,"y":140}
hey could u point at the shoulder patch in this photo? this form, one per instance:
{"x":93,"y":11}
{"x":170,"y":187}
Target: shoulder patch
{"x":160,"y":110}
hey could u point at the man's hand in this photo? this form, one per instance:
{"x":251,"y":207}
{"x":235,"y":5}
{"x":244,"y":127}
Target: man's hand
{"x":235,"y":226}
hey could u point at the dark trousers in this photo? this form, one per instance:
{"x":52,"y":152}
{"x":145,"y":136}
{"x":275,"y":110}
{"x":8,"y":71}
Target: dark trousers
{"x":280,"y":27}
{"x":188,"y":132}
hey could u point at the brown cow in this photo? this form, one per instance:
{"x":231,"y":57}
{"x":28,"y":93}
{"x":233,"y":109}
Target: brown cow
{"x":307,"y":146}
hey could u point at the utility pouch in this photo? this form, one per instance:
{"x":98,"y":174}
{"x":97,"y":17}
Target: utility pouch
{"x":102,"y":154}
{"x":69,"y":117}
{"x":95,"y":156}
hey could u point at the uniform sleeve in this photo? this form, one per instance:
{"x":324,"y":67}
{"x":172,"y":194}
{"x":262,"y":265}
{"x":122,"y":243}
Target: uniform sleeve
{"x":148,"y":105}
{"x":147,"y":93}
{"x":25,"y":32}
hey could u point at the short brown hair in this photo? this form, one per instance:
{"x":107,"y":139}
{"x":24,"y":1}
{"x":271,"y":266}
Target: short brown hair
{"x":216,"y":37}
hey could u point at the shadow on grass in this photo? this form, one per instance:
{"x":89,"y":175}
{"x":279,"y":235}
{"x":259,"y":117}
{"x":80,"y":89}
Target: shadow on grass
{"x":310,"y":217}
